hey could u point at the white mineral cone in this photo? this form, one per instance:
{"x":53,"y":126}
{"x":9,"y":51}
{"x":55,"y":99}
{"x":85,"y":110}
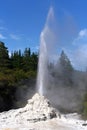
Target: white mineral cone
{"x":39,"y":115}
{"x":37,"y":109}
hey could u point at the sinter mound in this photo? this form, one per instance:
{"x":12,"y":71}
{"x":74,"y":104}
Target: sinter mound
{"x":37,"y":109}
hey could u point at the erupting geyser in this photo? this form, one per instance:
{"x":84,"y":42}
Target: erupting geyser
{"x":38,"y":114}
{"x":47,"y":39}
{"x":42,"y":65}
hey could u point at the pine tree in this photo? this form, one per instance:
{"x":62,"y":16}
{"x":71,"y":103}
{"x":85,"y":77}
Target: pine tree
{"x":4,"y":56}
{"x":66,"y":68}
{"x":65,"y":63}
{"x":34,"y":61}
{"x":16,"y":59}
{"x":27,"y":52}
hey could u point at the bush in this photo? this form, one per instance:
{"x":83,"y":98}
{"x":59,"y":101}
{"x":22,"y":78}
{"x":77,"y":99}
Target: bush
{"x":84,"y":109}
{"x":19,"y":75}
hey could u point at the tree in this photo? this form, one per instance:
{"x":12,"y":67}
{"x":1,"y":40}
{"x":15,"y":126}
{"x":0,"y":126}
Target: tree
{"x":84,"y":106}
{"x":26,"y":59}
{"x":27,"y":52}
{"x":34,"y":61}
{"x":65,"y":67}
{"x":29,"y":60}
{"x":16,"y":59}
{"x":4,"y":56}
{"x":65,"y":63}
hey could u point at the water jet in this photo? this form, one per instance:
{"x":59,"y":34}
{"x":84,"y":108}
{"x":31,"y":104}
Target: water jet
{"x":47,"y":39}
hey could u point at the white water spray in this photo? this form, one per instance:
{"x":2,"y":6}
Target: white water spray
{"x":42,"y":65}
{"x":47,"y":39}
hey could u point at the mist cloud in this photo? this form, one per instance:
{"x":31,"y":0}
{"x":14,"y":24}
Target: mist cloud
{"x":50,"y":31}
{"x":79,"y":52}
{"x":65,"y":36}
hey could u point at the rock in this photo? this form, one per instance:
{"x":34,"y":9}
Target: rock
{"x":37,"y":109}
{"x":38,"y":114}
{"x":85,"y":124}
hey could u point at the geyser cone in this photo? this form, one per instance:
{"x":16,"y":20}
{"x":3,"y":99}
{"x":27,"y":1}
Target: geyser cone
{"x":39,"y":115}
{"x":37,"y":109}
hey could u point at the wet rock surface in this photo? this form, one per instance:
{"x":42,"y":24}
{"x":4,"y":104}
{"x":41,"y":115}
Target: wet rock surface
{"x":38,"y":114}
{"x":37,"y":109}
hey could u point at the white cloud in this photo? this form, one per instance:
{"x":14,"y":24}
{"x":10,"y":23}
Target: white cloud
{"x":82,"y":37}
{"x":2,"y":37}
{"x":79,"y":51}
{"x":83,"y":33}
{"x":14,"y":37}
{"x":79,"y":57}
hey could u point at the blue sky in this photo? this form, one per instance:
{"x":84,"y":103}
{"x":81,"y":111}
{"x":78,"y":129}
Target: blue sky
{"x":21,"y":22}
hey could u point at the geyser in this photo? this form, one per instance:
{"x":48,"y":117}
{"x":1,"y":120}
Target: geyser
{"x":47,"y":40}
{"x":42,"y":65}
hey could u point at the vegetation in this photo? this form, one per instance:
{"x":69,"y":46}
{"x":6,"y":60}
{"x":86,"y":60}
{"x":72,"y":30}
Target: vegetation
{"x":17,"y":66}
{"x":13,"y":69}
{"x":22,"y":66}
{"x":66,"y":69}
{"x":74,"y":82}
{"x":84,"y":107}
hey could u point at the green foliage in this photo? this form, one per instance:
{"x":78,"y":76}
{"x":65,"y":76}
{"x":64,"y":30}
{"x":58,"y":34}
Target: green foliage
{"x":31,"y":74}
{"x":16,"y":59}
{"x":84,"y":109}
{"x":16,"y":67}
{"x":27,"y":52}
{"x":23,"y":65}
{"x":34,"y":61}
{"x":19,"y":74}
{"x":4,"y":57}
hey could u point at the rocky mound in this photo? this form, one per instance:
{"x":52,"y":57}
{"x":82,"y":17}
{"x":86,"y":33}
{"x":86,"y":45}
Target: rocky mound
{"x":37,"y":109}
{"x":37,"y":115}
{"x":40,"y":108}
